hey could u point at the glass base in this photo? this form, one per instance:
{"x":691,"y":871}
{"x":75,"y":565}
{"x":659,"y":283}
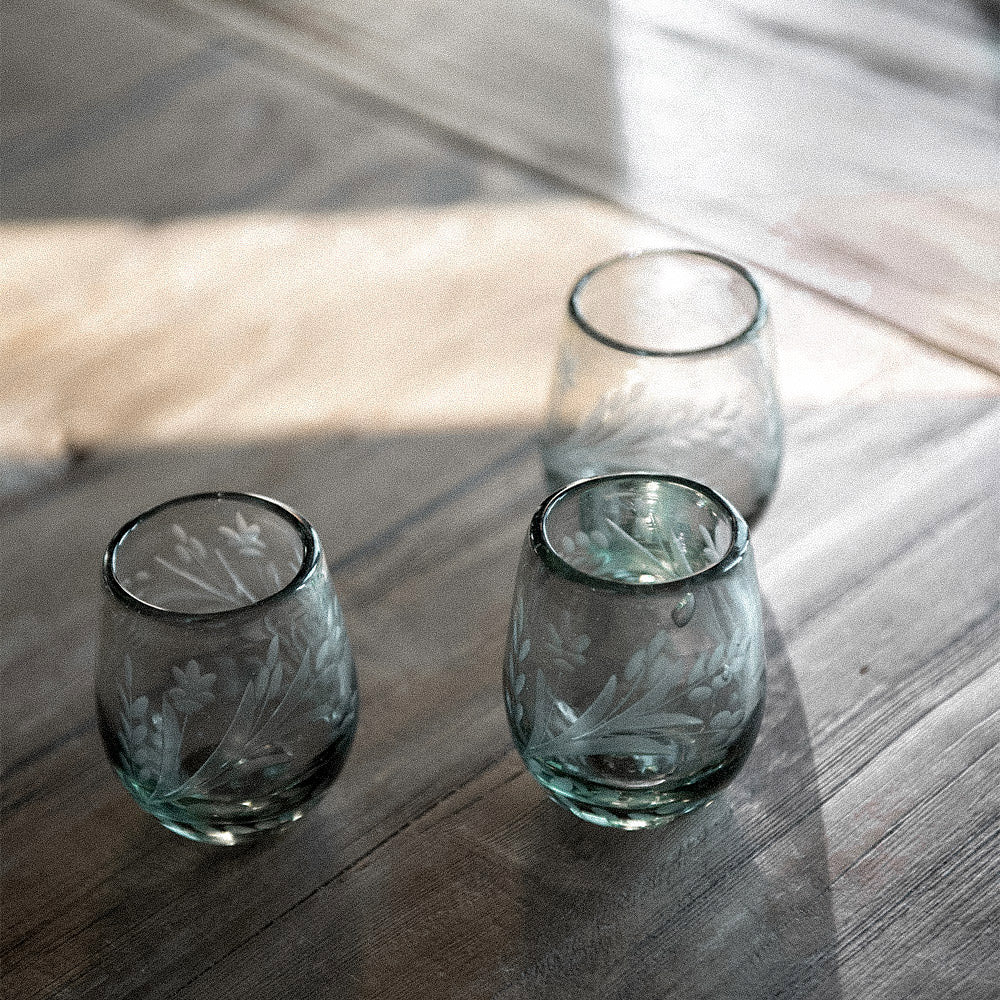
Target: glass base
{"x":231,"y":816}
{"x":629,"y":819}
{"x":231,"y":834}
{"x":637,"y":792}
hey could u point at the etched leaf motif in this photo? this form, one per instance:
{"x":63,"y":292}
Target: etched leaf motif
{"x":566,"y":648}
{"x":631,"y":428}
{"x":588,"y":552}
{"x":319,"y":691}
{"x":664,"y":702}
{"x":517,"y":648}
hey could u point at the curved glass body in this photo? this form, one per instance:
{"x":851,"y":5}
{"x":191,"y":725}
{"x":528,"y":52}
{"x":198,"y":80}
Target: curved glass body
{"x":665,"y":367}
{"x":634,"y":681}
{"x":226,"y":691}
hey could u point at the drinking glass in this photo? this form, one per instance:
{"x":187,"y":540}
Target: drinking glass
{"x":634,"y":680}
{"x":664,"y":366}
{"x":226,"y":691}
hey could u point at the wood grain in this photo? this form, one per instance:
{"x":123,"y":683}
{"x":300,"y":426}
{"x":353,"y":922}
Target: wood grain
{"x":827,"y":144}
{"x":371,"y":343}
{"x":436,"y":837}
{"x":262,"y":326}
{"x":116,"y":114}
{"x":435,"y":868}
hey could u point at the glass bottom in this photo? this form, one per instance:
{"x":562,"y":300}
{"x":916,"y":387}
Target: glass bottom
{"x":231,"y":817}
{"x":232,"y":834}
{"x":637,"y":792}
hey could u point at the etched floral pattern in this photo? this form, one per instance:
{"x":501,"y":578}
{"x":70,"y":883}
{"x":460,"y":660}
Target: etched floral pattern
{"x":672,"y":700}
{"x":231,"y":571}
{"x":291,"y":685}
{"x":659,"y":700}
{"x":194,"y":689}
{"x":630,"y":428}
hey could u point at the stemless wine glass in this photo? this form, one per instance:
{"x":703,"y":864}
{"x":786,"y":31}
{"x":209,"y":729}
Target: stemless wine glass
{"x":664,"y":367}
{"x":634,"y":680}
{"x":226,"y":691}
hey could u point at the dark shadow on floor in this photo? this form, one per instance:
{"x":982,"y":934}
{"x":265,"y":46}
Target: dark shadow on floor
{"x":728,"y":902}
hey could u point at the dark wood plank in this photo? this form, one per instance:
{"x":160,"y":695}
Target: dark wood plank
{"x":435,"y":868}
{"x":774,"y":130}
{"x":744,"y":903}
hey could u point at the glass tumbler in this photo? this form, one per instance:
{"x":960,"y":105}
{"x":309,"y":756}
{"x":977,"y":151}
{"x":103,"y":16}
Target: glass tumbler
{"x":664,"y":367}
{"x":226,"y":691}
{"x":634,"y":679}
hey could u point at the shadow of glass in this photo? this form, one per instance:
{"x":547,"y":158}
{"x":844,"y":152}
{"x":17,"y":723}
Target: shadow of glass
{"x":188,"y":910}
{"x":433,"y":830}
{"x":728,"y":902}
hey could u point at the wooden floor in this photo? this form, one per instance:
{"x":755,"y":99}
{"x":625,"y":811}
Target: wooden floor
{"x":321,"y":251}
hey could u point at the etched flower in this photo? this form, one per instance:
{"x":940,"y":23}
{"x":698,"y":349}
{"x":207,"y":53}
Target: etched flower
{"x":245,"y":538}
{"x":194,"y":689}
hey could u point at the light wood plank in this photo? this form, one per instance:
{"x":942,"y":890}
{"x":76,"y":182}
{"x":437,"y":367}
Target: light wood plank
{"x":767,"y":129}
{"x":257,"y":327}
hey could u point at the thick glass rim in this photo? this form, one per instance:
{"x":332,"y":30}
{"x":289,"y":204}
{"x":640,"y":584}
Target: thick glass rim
{"x":739,"y":541}
{"x":307,"y":535}
{"x":756,"y":323}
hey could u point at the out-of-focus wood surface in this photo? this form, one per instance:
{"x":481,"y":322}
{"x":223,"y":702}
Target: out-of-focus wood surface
{"x":855,"y":148}
{"x":322,"y":253}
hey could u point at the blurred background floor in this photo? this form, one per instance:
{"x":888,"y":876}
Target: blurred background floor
{"x":853,"y":152}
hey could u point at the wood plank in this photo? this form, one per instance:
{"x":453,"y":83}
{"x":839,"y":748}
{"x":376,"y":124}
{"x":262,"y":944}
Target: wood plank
{"x":451,"y":834}
{"x":435,"y":868}
{"x":763,"y":128}
{"x":243,"y":310}
{"x":154,"y":120}
{"x":531,"y":860}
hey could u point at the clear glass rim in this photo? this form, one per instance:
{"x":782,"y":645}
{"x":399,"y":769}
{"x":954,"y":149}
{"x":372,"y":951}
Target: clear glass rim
{"x":756,"y":323}
{"x":739,"y":541}
{"x":310,"y":557}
